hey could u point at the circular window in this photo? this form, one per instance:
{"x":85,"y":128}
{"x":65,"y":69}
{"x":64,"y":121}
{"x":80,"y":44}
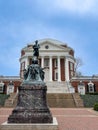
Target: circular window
{"x":46,"y":46}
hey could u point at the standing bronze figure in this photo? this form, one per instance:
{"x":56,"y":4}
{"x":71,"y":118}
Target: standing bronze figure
{"x":36,"y":49}
{"x":32,"y":104}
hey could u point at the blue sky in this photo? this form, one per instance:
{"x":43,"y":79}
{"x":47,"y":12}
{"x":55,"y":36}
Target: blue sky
{"x":74,"y":22}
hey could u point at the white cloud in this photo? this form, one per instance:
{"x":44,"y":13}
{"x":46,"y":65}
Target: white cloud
{"x":81,"y":7}
{"x":72,"y":6}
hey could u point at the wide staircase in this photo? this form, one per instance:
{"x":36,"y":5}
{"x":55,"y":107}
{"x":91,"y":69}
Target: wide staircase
{"x":57,"y":87}
{"x":60,"y":100}
{"x":57,"y":100}
{"x":11,"y":101}
{"x":58,"y":95}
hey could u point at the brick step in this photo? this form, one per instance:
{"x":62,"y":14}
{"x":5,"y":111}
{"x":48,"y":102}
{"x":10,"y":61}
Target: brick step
{"x":57,"y":91}
{"x":60,"y":100}
{"x":61,"y":103}
{"x":57,"y":87}
{"x":55,"y":83}
{"x":61,"y":95}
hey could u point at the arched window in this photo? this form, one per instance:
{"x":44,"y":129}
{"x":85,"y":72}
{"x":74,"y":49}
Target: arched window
{"x":91,"y":87}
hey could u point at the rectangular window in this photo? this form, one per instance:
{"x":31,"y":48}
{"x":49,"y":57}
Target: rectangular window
{"x":91,"y":88}
{"x":30,"y":61}
{"x":72,"y":74}
{"x":71,"y":66}
{"x":56,"y":63}
{"x":1,"y":87}
{"x":56,"y":76}
{"x":46,"y":62}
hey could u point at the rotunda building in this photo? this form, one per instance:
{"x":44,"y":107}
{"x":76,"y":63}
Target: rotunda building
{"x":56,"y":57}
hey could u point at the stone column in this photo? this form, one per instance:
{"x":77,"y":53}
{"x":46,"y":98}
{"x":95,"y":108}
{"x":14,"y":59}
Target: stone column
{"x":26,"y":62}
{"x":50,"y":67}
{"x":42,"y":61}
{"x":59,"y":70}
{"x":67,"y":69}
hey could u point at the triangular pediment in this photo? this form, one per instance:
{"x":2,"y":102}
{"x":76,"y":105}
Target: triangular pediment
{"x":51,"y":45}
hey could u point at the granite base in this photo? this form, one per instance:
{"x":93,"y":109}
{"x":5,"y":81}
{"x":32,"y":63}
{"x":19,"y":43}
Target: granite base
{"x":30,"y":126}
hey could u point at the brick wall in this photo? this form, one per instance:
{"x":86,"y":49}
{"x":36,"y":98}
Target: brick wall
{"x":62,"y":70}
{"x":53,"y":69}
{"x":16,"y":85}
{"x":75,"y":84}
{"x":22,"y":53}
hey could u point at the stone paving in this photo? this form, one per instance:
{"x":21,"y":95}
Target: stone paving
{"x":68,"y":118}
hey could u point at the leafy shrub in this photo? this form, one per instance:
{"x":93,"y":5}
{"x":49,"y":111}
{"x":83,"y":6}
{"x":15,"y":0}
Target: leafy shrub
{"x":95,"y":93}
{"x":89,"y":100}
{"x":3,"y":97}
{"x":96,"y":106}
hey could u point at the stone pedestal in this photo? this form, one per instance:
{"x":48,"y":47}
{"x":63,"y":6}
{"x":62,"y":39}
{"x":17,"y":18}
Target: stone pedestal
{"x":32,"y":105}
{"x":26,"y":126}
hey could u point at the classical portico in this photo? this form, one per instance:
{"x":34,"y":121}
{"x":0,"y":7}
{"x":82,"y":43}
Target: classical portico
{"x":47,"y":63}
{"x":55,"y":57}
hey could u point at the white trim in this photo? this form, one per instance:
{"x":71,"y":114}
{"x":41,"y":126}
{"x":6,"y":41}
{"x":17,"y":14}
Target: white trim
{"x":59,"y":70}
{"x":42,"y":61}
{"x":26,"y":62}
{"x":67,"y":69}
{"x":50,"y":67}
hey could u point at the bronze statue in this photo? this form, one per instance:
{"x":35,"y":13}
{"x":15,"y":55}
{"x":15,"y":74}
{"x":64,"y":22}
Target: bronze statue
{"x":32,"y":104}
{"x":34,"y":72}
{"x":36,"y":49}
